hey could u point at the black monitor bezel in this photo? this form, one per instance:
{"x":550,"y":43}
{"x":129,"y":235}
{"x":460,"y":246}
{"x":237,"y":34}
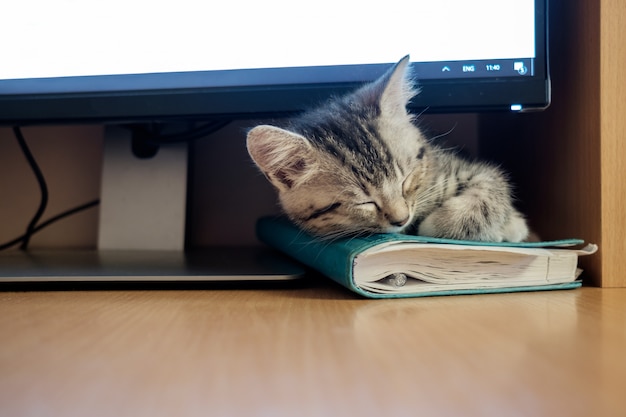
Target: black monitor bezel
{"x":132,"y":98}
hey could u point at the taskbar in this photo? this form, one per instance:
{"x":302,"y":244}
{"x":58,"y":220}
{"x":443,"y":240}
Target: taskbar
{"x":491,"y":68}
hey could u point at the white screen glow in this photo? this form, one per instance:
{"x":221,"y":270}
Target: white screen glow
{"x":42,"y":38}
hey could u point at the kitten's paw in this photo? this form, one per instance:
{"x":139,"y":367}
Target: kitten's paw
{"x":464,"y":217}
{"x":516,"y":229}
{"x":429,"y":227}
{"x":449,"y":222}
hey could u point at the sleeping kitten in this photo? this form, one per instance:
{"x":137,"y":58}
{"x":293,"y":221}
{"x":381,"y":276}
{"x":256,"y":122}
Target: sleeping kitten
{"x":359,"y":164}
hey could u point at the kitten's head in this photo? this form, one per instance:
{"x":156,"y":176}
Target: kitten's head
{"x":354,"y":165}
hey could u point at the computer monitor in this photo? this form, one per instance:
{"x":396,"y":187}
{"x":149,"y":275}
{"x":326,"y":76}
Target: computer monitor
{"x":68,"y":61}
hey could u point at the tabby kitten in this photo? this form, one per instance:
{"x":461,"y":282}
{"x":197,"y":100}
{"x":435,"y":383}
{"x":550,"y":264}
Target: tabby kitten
{"x":359,"y":164}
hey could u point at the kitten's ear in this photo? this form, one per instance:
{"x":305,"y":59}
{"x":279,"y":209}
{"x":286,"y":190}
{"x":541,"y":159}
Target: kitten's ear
{"x":393,"y":90}
{"x":399,"y":89}
{"x":283,"y":156}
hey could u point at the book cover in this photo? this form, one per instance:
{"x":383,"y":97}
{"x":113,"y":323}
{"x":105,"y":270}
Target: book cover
{"x":395,"y":265}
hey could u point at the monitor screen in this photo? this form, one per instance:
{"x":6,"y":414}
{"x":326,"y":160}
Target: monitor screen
{"x":127,"y":60}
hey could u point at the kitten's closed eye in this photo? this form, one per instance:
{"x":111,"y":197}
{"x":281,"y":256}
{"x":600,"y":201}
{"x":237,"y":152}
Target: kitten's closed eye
{"x":411,"y":184}
{"x":369,"y":206}
{"x":324,"y":210}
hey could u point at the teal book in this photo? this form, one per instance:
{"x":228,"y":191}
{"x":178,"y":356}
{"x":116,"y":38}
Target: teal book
{"x":394,"y":265}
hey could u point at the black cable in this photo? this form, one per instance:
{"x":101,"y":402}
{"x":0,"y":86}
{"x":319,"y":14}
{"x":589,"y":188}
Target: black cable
{"x":42,"y":186}
{"x":32,"y":226}
{"x":194,"y":134}
{"x":49,"y":222}
{"x":155,"y":137}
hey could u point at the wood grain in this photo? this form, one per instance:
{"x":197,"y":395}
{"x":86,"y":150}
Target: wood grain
{"x":315,"y":351}
{"x":613,"y":136}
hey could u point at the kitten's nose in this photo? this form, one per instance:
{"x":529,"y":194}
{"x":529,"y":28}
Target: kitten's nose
{"x":399,"y":223}
{"x":397,"y":213}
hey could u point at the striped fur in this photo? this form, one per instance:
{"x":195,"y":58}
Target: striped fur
{"x":359,"y":164}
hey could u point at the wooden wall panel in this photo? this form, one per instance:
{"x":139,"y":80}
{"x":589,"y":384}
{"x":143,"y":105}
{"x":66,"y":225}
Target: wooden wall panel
{"x":613,"y":134}
{"x":567,"y":160}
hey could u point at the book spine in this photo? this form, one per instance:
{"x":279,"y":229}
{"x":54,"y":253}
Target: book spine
{"x":335,"y":261}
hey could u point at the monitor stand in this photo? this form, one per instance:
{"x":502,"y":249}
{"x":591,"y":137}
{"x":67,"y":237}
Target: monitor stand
{"x":142,"y":201}
{"x":142,"y":231}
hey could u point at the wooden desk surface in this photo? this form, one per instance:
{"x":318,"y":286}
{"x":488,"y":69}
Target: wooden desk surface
{"x":313,"y":351}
